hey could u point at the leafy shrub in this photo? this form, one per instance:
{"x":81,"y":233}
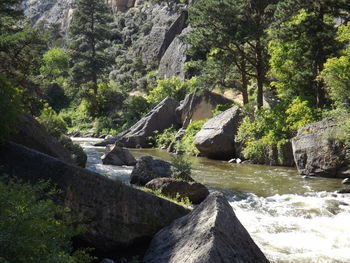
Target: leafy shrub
{"x":186,"y":145}
{"x":177,"y":199}
{"x":174,"y":87}
{"x":9,"y":108}
{"x":164,"y":139}
{"x":52,"y":122}
{"x":272,"y":127}
{"x":33,"y":229}
{"x":220,"y":108}
{"x":181,"y":167}
{"x":77,"y":153}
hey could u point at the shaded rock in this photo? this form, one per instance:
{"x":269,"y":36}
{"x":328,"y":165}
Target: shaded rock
{"x":346,"y":181}
{"x":147,"y":169}
{"x":107,"y":141}
{"x":107,"y":260}
{"x":118,"y":156}
{"x":178,"y":137}
{"x":210,"y":233}
{"x":316,"y":152}
{"x":167,"y":26}
{"x":30,"y":133}
{"x":173,"y":60}
{"x":113,"y":214}
{"x":160,"y":118}
{"x":199,"y":106}
{"x":195,"y":192}
{"x":77,"y":152}
{"x":344,"y":191}
{"x":216,"y":138}
{"x":278,"y":156}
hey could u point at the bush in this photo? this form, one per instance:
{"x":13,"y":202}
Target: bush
{"x":52,"y":122}
{"x":220,"y":108}
{"x":164,"y":139}
{"x":186,"y":145}
{"x":33,"y":229}
{"x":181,"y":167}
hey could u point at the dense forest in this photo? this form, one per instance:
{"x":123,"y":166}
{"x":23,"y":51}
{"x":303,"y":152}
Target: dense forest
{"x":289,"y":61}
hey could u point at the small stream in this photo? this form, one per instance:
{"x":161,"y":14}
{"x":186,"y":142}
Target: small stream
{"x":291,"y":218}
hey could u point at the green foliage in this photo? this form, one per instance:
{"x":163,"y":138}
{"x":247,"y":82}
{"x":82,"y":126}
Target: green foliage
{"x":177,"y":199}
{"x":55,"y":63}
{"x":33,"y":229}
{"x":272,"y":127}
{"x":10,"y":107}
{"x":134,"y":108}
{"x":186,"y":145}
{"x":181,"y":167}
{"x":52,"y":122}
{"x":220,"y":108}
{"x":164,"y":139}
{"x":174,"y":87}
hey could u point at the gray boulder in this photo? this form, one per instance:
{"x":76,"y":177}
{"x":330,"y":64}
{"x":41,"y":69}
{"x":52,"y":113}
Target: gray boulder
{"x":160,"y":118}
{"x":316,"y":151}
{"x":113,"y":214}
{"x":199,"y":106}
{"x":30,"y":133}
{"x":210,"y":233}
{"x":216,"y":138}
{"x":147,"y":169}
{"x":172,"y":187}
{"x":118,"y":156}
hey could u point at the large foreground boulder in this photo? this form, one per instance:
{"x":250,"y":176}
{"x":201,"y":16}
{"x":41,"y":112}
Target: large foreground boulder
{"x":118,"y":156}
{"x":114,"y":215}
{"x":216,"y":139}
{"x":317,"y":152}
{"x":209,"y":234}
{"x":147,"y":169}
{"x":173,"y":188}
{"x":139,"y":135}
{"x":30,"y":133}
{"x":199,"y":106}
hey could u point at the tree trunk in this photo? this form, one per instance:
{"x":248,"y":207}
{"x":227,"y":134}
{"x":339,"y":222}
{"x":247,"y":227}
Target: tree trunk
{"x":244,"y":80}
{"x":260,"y":79}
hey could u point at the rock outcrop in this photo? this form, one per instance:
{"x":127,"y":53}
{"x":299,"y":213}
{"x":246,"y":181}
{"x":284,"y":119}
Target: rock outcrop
{"x":172,"y":187}
{"x":199,"y":106}
{"x":160,"y":118}
{"x":147,"y":169}
{"x":113,"y":214}
{"x":30,"y":133}
{"x":316,"y":151}
{"x":216,"y":138}
{"x":210,"y":233}
{"x":174,"y":58}
{"x":118,"y":156}
{"x":121,"y":5}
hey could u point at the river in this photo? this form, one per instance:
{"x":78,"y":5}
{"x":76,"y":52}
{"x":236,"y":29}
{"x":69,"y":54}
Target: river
{"x":291,"y":218}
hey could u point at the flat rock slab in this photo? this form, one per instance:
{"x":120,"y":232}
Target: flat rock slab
{"x":172,"y":187}
{"x":209,"y":234}
{"x":115,"y":215}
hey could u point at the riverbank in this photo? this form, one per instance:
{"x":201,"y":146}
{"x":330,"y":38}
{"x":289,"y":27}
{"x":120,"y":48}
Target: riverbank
{"x":291,"y":218}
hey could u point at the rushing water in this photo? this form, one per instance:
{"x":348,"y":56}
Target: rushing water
{"x":292,"y":219}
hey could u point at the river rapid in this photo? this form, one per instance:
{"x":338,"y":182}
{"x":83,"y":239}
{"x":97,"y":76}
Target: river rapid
{"x":291,"y":218}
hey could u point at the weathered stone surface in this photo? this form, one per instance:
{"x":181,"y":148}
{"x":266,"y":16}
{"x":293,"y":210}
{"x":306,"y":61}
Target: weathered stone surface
{"x":278,"y":156}
{"x":147,"y":169}
{"x":115,"y":215}
{"x":174,"y":58}
{"x":210,"y":233}
{"x":195,"y":192}
{"x":199,"y":106}
{"x":160,"y":118}
{"x":346,"y":181}
{"x":316,"y":152}
{"x":121,"y":5}
{"x":216,"y":138}
{"x":31,"y":134}
{"x":167,"y":26}
{"x":118,"y":156}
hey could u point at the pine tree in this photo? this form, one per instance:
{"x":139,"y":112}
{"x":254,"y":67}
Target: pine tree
{"x":89,"y":35}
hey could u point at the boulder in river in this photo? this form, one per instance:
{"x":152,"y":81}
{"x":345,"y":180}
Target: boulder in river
{"x":318,"y":153}
{"x":210,"y":233}
{"x":147,"y":169}
{"x":216,"y":139}
{"x":118,"y":156}
{"x":114,"y":215}
{"x":172,"y":187}
{"x":199,"y":106}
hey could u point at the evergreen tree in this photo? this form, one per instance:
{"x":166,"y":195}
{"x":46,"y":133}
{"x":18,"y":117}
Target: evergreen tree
{"x":89,"y":34}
